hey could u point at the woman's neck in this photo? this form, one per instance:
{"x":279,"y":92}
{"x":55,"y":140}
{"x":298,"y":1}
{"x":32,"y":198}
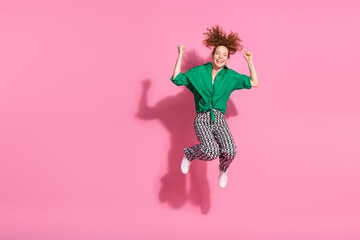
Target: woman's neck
{"x":215,"y":69}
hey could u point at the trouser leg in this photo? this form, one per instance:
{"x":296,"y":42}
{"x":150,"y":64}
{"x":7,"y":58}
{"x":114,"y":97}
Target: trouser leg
{"x":207,"y":149}
{"x":226,"y":142}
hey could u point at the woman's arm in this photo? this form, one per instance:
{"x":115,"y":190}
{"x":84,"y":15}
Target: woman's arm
{"x":254,"y":79}
{"x":177,"y":68}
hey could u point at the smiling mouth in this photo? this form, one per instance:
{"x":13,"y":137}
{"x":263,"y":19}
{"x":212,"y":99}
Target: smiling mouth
{"x":219,"y":61}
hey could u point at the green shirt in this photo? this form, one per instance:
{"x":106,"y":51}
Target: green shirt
{"x":207,"y":95}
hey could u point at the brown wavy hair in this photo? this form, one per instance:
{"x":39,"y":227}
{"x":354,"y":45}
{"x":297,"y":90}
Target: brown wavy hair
{"x":215,"y":36}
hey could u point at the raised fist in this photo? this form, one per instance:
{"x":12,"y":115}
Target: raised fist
{"x":181,"y":49}
{"x":248,"y":56}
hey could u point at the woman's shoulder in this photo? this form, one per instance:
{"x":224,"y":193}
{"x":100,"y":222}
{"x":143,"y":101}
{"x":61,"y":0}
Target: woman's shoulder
{"x":233,"y":72}
{"x":230,"y":72}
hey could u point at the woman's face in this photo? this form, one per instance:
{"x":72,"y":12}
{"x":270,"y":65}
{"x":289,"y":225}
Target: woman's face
{"x":221,"y":56}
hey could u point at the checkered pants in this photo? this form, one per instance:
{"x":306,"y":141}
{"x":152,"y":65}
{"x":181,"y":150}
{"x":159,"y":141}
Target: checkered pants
{"x":211,"y":134}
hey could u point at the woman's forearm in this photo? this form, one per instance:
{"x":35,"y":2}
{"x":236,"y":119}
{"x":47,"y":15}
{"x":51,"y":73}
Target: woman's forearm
{"x":253,"y":74}
{"x":178,"y":65}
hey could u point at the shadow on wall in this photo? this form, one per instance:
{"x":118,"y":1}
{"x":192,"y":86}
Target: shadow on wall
{"x":177,"y":114}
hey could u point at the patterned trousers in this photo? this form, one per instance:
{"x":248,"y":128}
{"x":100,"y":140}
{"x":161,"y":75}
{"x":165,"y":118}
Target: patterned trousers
{"x":211,"y":134}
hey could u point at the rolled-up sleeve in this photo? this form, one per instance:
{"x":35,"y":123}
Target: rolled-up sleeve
{"x":180,"y":79}
{"x":242,"y":81}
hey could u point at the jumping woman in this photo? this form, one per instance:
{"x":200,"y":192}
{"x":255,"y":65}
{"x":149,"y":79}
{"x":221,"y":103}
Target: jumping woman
{"x":212,"y":84}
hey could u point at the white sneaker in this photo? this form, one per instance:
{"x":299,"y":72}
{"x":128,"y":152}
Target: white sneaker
{"x":185,"y":165}
{"x":222,"y":178}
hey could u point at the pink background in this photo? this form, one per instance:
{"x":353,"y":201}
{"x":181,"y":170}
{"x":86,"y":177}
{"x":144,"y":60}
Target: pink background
{"x":92,"y":129}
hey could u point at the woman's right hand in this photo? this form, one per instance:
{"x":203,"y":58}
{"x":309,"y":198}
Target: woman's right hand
{"x":181,"y":49}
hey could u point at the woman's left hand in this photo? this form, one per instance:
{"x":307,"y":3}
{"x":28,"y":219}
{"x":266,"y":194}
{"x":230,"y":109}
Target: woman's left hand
{"x":248,"y":56}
